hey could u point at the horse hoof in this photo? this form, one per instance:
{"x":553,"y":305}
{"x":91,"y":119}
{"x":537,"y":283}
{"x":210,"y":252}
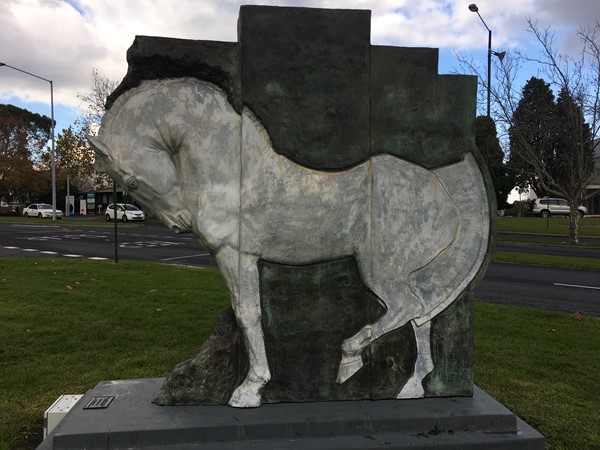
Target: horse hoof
{"x":348,"y":367}
{"x":412,"y":389}
{"x":243,"y":399}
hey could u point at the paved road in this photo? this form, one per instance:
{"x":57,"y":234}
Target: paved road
{"x":568,"y":290}
{"x":149,"y":241}
{"x":553,"y":245}
{"x":560,"y":289}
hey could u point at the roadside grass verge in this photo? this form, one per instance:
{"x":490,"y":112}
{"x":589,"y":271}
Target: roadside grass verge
{"x":585,"y":241}
{"x":66,"y":325}
{"x":588,"y":226}
{"x":543,"y":366}
{"x":569,"y":262}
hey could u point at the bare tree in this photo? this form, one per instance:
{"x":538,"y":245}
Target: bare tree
{"x":576,"y":80}
{"x":94,"y":100}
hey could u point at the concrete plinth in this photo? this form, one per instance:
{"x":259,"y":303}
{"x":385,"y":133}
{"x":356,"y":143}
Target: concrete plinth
{"x":130,"y":420}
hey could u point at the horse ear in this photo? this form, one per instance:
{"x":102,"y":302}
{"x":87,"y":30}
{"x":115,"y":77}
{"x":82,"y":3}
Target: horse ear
{"x":101,"y":151}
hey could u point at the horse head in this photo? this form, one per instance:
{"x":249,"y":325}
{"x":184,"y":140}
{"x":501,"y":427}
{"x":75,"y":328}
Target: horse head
{"x":160,"y":141}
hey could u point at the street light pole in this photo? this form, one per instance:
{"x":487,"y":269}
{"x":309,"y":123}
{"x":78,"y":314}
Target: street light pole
{"x":53,"y":154}
{"x":473,"y":8}
{"x":489,"y":69}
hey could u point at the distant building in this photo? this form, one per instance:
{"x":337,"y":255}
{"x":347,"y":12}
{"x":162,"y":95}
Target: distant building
{"x":95,"y":202}
{"x":520,"y":195}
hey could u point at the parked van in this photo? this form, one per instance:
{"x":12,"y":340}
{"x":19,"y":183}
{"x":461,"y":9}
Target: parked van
{"x":547,"y":207}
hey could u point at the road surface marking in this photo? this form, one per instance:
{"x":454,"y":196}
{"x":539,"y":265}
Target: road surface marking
{"x":185,"y":257}
{"x":577,"y":286}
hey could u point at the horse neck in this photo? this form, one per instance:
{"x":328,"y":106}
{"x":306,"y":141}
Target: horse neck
{"x":257,"y":149}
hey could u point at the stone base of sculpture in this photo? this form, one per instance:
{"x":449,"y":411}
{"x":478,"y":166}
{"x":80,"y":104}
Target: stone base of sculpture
{"x":131,"y":421}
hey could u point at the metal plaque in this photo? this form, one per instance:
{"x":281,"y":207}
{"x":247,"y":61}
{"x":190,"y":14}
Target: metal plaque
{"x":101,"y":402}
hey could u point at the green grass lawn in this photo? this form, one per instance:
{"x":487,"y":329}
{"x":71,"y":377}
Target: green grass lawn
{"x":544,"y":366}
{"x":588,"y":226}
{"x":570,"y":262}
{"x":552,"y":383}
{"x":66,"y":325}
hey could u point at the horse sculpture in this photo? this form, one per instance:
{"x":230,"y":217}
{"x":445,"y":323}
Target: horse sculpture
{"x":418,"y":236}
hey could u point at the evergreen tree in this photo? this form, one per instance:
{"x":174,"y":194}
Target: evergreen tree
{"x":552,"y":146}
{"x":532,"y":133}
{"x":574,"y":157}
{"x":486,"y":140}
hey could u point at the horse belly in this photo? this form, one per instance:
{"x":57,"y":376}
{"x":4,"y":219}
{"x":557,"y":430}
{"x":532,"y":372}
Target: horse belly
{"x":298,"y":215}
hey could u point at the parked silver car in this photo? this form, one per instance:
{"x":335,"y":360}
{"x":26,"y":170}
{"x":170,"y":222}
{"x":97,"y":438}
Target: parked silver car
{"x":41,"y":210}
{"x":547,"y":207}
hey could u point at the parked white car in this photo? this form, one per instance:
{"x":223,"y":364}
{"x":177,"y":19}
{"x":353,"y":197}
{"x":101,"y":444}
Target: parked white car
{"x":41,"y":210}
{"x":125,"y":212}
{"x":547,"y":207}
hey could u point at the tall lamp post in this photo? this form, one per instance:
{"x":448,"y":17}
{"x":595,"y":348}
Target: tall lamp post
{"x":53,"y":155}
{"x":473,"y":8}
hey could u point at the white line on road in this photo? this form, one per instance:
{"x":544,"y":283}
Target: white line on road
{"x":35,"y":226}
{"x":47,"y":252}
{"x":577,"y":286}
{"x":184,"y":257}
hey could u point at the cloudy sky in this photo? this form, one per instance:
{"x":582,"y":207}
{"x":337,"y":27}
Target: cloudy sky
{"x":64,"y":40}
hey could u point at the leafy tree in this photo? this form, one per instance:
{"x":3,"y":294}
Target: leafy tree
{"x":486,"y":139}
{"x":74,"y":158}
{"x":23,"y":135}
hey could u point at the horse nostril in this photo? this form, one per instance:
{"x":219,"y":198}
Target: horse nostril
{"x":175,"y":229}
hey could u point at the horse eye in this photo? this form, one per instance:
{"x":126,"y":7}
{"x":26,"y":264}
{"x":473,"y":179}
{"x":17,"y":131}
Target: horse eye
{"x":132,"y":184}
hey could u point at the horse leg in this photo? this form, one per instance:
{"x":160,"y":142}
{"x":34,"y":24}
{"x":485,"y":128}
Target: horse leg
{"x":395,"y":317}
{"x":241,"y":275}
{"x":352,"y":354}
{"x":352,"y":347}
{"x":413,"y":388}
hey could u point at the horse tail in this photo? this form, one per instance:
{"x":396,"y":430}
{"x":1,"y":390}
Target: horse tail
{"x":443,"y":279}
